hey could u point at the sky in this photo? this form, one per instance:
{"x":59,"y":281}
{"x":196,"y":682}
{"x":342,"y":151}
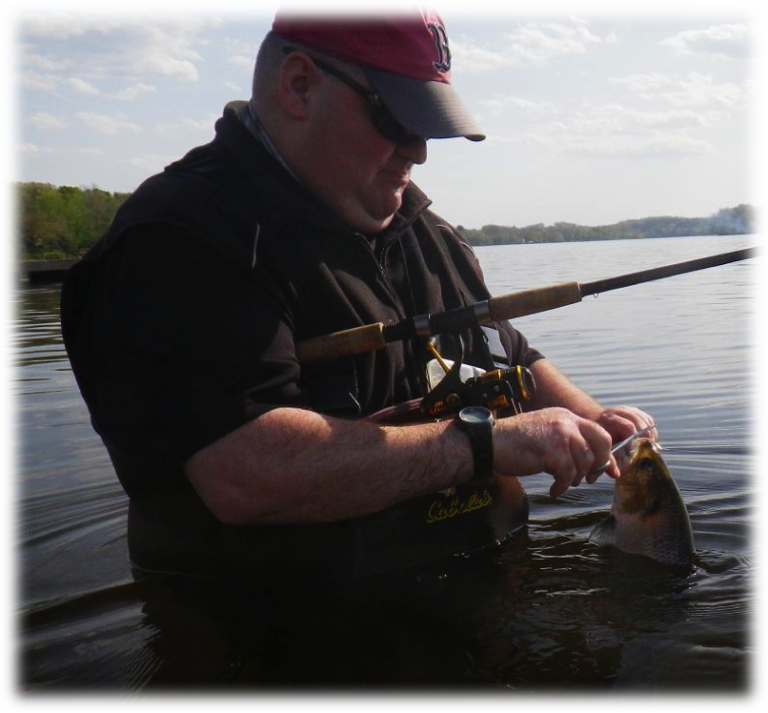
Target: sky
{"x":592,"y":115}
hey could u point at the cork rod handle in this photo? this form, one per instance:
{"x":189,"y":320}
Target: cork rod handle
{"x":347,"y":342}
{"x":533,"y":301}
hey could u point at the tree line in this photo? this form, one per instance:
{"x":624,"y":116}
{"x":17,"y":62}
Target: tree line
{"x":739,"y":220}
{"x":63,"y":222}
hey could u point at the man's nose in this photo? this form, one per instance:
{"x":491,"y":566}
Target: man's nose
{"x":415,"y":151}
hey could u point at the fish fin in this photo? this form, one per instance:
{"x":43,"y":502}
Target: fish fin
{"x":604,"y":533}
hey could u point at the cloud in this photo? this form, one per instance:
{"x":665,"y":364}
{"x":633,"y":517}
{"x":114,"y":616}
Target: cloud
{"x":539,"y":43}
{"x":104,"y":124}
{"x":28,"y":148}
{"x":38,"y":82}
{"x":690,"y":90}
{"x":46,"y":121}
{"x":242,"y":61}
{"x":535,"y":43}
{"x":81,"y":86}
{"x":134,"y":91}
{"x":572,"y":141}
{"x":645,"y":83}
{"x":128,"y":94}
{"x":660,"y":115}
{"x":203,"y":124}
{"x":619,"y":119}
{"x":82,"y":150}
{"x":152,"y":163}
{"x":721,"y":41}
{"x":47,"y":82}
{"x":95,"y":49}
{"x":501,"y":103}
{"x":701,"y":90}
{"x":617,"y":131}
{"x":471,"y":57}
{"x":31,"y":149}
{"x":667,"y":146}
{"x":239,"y":53}
{"x":34,"y":60}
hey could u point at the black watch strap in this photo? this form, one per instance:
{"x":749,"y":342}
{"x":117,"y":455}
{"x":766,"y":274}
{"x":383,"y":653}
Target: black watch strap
{"x":477,"y":422}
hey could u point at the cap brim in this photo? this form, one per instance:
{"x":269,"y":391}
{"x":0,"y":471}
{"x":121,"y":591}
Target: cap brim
{"x":426,"y":108}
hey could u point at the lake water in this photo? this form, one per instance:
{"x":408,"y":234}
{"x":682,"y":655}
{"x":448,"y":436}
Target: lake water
{"x":548,"y":612}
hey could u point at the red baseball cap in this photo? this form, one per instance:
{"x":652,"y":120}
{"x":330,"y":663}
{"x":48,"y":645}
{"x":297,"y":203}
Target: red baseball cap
{"x":405,"y":58}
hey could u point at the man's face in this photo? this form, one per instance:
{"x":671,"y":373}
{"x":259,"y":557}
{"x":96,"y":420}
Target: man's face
{"x":356,"y":172}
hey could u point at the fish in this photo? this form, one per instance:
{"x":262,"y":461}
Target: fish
{"x":648,"y":516}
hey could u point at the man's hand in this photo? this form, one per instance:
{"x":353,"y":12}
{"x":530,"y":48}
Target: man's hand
{"x":554,"y":440}
{"x":621,"y":422}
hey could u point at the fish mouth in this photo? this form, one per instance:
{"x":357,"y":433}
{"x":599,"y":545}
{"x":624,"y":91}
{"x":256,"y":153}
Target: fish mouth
{"x":628,"y":455}
{"x":634,"y":451}
{"x":640,"y":444}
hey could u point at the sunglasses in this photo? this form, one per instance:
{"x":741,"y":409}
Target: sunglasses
{"x":386,"y":124}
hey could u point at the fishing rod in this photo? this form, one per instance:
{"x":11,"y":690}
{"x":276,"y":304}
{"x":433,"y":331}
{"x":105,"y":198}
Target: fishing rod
{"x":370,"y":337}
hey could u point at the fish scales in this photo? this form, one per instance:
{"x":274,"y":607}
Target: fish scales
{"x":648,"y":516}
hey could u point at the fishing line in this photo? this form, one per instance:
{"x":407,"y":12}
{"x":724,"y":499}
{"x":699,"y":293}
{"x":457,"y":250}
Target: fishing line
{"x":722,"y":449}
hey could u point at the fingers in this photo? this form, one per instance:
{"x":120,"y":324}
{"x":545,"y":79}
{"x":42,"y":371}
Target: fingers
{"x":559,"y":487}
{"x":600,"y":442}
{"x":584,"y":461}
{"x":622,"y":421}
{"x":613,"y":470}
{"x":558,"y":442}
{"x":589,"y":450}
{"x":642,"y":420}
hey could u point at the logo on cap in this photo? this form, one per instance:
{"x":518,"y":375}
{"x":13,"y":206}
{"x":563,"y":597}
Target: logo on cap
{"x":443,"y":63}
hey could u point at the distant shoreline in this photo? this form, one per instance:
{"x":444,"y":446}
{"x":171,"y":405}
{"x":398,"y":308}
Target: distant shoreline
{"x":738,"y":220}
{"x":594,"y":240}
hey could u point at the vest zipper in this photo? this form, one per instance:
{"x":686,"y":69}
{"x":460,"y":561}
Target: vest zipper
{"x":397,"y":303}
{"x":416,"y":376}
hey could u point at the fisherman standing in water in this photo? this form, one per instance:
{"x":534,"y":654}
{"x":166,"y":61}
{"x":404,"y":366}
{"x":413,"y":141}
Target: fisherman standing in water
{"x":300,"y":219}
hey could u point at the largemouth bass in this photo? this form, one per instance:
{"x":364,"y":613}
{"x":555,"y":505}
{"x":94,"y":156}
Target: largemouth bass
{"x":648,"y":516}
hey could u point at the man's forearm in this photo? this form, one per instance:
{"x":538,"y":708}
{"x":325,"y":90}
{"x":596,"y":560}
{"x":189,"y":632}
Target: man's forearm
{"x":553,"y":388}
{"x":297,"y":466}
{"x":292,"y":465}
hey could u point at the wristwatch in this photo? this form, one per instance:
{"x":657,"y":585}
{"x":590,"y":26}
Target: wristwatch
{"x":477,"y":422}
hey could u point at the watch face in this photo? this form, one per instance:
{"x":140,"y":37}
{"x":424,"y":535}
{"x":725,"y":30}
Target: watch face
{"x":475,"y":414}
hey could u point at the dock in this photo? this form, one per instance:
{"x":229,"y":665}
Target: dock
{"x":44,"y":270}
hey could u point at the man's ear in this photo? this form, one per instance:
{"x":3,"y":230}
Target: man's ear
{"x":298,"y":77}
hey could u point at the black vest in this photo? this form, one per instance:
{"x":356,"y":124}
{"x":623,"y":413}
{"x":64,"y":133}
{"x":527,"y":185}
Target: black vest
{"x":233,"y":204}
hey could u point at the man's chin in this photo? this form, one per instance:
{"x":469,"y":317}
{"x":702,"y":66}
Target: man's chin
{"x":375,"y":225}
{"x":371,"y":219}
{"x":387,"y":208}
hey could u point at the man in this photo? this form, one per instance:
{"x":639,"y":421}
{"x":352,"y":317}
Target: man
{"x":301,"y":219}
